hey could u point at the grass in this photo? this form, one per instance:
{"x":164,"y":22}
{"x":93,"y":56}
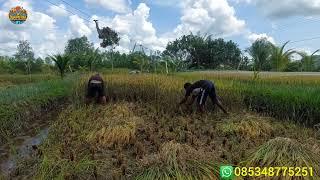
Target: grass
{"x":177,"y":161}
{"x":284,"y":99}
{"x":115,"y":140}
{"x":248,"y":127}
{"x":266,"y":77}
{"x":10,"y":79}
{"x":127,"y":140}
{"x":290,"y":97}
{"x":285,"y":152}
{"x":114,"y":136}
{"x":64,"y":168}
{"x":143,"y":134}
{"x":23,"y":103}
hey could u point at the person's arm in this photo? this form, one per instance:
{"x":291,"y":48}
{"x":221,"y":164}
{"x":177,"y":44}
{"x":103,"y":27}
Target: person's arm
{"x":188,"y":93}
{"x":192,"y":100}
{"x":219,"y":104}
{"x":184,"y":100}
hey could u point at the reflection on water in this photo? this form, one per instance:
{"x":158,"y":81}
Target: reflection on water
{"x":24,"y":146}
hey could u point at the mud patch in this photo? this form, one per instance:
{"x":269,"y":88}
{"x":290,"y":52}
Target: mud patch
{"x":25,"y":144}
{"x":26,"y":147}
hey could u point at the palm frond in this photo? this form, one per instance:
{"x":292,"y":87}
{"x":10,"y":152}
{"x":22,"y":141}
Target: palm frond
{"x":315,"y":52}
{"x":284,"y":45}
{"x":61,"y":62}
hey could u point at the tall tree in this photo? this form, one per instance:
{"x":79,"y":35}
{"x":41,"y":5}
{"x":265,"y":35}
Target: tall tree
{"x":244,"y":63}
{"x":25,"y":55}
{"x":260,"y":52}
{"x":204,"y":52}
{"x":109,"y":37}
{"x":78,"y":46}
{"x":178,"y":51}
{"x":77,"y":49}
{"x":281,"y":58}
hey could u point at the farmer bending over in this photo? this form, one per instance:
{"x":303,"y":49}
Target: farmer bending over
{"x":96,"y":89}
{"x":201,"y":90}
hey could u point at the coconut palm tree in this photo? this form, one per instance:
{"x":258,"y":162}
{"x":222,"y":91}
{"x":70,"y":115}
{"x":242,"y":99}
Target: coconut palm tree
{"x":308,"y":60}
{"x":61,"y":62}
{"x":141,"y":60}
{"x":280,"y":58}
{"x":260,"y":51}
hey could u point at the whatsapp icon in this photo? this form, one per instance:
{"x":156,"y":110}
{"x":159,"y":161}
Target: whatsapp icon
{"x":226,"y":173}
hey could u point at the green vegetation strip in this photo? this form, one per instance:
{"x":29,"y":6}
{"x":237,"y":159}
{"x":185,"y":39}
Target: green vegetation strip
{"x":24,"y":79}
{"x":284,"y":98}
{"x":21,"y":103}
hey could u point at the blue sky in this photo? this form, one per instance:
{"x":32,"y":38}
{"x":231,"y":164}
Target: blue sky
{"x":154,"y":23}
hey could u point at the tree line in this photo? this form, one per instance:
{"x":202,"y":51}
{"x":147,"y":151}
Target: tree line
{"x":266,"y":56}
{"x":188,"y":52}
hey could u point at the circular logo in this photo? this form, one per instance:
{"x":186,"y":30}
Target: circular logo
{"x":18,"y":15}
{"x":226,"y":172}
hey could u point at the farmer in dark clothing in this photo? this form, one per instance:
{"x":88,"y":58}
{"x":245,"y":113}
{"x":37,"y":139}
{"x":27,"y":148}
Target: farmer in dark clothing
{"x":201,"y":90}
{"x":96,"y":89}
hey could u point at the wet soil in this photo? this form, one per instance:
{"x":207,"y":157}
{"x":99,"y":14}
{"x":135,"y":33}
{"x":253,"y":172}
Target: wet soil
{"x":25,"y":144}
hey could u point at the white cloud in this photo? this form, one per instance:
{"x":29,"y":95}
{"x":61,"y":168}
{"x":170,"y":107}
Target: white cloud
{"x":296,"y":56}
{"x":57,"y":11}
{"x":252,"y":37}
{"x":119,"y":6}
{"x":39,"y":29}
{"x":286,"y":8}
{"x":78,"y":27}
{"x":209,"y":16}
{"x":134,"y":27}
{"x":307,"y":50}
{"x":12,"y":3}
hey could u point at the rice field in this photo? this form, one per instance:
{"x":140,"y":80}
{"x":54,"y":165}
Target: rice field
{"x":21,"y":104}
{"x":143,"y":134}
{"x":7,"y":81}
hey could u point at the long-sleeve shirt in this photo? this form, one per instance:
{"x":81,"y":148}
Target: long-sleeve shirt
{"x":198,"y":87}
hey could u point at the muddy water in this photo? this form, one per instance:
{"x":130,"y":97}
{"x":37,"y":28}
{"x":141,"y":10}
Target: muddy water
{"x":24,"y":147}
